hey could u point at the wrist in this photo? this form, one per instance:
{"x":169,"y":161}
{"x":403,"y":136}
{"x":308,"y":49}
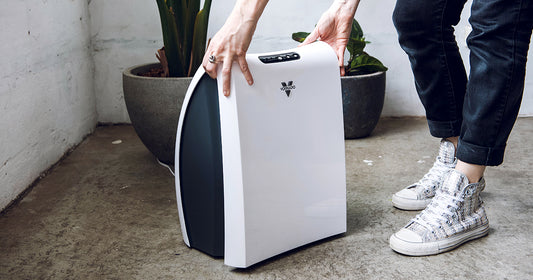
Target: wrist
{"x":249,"y":11}
{"x":240,"y":20}
{"x":345,"y":6}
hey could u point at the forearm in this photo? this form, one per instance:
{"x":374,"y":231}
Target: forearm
{"x":248,"y":11}
{"x":347,"y":7}
{"x":242,"y":22}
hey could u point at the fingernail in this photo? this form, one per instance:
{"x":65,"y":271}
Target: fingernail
{"x":226,"y":92}
{"x":250,"y":82}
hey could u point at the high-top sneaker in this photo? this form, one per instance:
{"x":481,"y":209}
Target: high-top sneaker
{"x":454,"y":216}
{"x":418,"y":195}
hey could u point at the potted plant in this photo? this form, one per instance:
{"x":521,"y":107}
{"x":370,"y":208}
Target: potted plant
{"x":154,"y":92}
{"x":363,"y":87}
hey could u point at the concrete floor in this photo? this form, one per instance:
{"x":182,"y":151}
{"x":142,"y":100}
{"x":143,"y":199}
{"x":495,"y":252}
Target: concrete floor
{"x":108,"y":211}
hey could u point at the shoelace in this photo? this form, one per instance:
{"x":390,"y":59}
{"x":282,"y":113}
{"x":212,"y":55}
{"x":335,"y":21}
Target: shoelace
{"x":434,"y":176}
{"x":439,"y":210}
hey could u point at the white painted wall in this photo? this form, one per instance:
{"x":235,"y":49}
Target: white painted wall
{"x":46,"y":87}
{"x":131,"y":37}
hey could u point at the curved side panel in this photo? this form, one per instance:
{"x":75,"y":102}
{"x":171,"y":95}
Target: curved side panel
{"x":199,"y":74}
{"x":199,"y":182}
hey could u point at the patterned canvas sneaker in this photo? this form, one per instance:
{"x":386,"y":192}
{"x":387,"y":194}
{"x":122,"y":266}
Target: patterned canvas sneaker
{"x":455,"y":216}
{"x":418,"y":195}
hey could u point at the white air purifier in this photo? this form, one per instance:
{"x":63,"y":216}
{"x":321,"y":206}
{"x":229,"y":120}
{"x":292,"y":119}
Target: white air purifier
{"x":262,"y":171}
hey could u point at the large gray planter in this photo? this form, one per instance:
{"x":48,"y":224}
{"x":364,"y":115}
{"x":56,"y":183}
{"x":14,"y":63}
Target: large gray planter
{"x":154,"y":106}
{"x":362,"y":99}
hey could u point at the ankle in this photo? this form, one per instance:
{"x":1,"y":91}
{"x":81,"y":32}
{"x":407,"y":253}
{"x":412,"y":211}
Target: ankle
{"x":473,"y":172}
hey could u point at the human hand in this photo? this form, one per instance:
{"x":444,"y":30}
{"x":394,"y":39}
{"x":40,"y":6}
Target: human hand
{"x":231,"y":42}
{"x":334,"y":27}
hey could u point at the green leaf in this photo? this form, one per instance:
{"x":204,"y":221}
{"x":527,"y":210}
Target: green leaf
{"x":184,"y":28}
{"x":355,"y":46}
{"x":170,"y":37}
{"x":357,"y":42}
{"x":199,"y":38}
{"x":357,"y":31}
{"x":300,"y":36}
{"x":189,"y":19}
{"x":365,"y":64}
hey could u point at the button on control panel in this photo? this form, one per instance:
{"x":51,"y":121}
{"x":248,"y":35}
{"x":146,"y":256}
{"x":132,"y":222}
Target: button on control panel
{"x":274,"y":58}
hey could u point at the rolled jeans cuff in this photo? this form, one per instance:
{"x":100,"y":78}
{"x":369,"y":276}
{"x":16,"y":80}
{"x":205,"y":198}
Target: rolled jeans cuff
{"x":444,"y":129}
{"x":488,"y":156}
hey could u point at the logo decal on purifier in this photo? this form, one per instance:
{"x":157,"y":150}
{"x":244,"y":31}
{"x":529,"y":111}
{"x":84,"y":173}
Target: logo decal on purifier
{"x":287,"y":87}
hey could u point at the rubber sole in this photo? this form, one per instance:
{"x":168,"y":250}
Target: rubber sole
{"x":436,"y":247}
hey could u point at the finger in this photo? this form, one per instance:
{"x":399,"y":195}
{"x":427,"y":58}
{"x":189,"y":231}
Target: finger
{"x":210,"y":68}
{"x":226,"y":75}
{"x":340,"y":56}
{"x":245,"y":70}
{"x":311,"y":38}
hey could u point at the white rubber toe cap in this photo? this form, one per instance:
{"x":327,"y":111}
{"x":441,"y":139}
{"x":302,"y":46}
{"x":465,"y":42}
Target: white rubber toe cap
{"x":408,"y":236}
{"x":407,"y":194}
{"x":409,"y":243}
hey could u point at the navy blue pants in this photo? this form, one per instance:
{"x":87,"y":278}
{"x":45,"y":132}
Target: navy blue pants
{"x":482,"y":108}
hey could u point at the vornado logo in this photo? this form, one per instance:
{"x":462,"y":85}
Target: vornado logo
{"x":287,"y":87}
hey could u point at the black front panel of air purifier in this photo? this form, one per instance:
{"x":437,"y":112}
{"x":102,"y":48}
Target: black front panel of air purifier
{"x":200,"y":171}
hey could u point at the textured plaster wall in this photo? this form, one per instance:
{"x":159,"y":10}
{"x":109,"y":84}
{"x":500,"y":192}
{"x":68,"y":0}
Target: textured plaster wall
{"x":131,"y":36}
{"x":46,"y":87}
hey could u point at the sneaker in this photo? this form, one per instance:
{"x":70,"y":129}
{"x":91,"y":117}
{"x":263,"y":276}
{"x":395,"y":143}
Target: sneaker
{"x":418,"y":195}
{"x":455,"y":216}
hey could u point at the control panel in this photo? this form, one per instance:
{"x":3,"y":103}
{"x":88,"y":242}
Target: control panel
{"x":274,"y":58}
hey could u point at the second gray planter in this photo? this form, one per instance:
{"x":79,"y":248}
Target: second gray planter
{"x":362,"y":99}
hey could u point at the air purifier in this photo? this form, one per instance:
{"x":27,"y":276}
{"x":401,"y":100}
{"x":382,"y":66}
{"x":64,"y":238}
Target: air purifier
{"x":262,"y":171}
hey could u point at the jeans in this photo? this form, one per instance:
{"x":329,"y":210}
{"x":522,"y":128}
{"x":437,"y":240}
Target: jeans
{"x":482,"y":108}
